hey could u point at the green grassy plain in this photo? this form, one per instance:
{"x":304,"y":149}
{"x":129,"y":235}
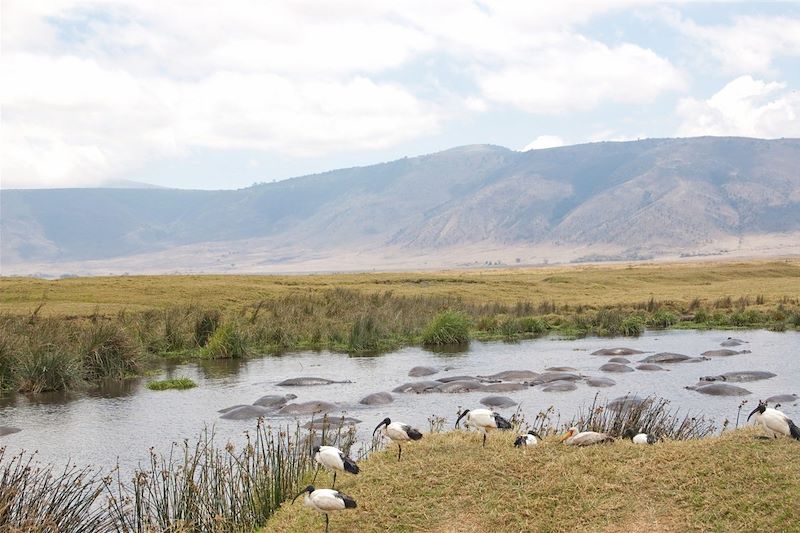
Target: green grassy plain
{"x":449,"y":483}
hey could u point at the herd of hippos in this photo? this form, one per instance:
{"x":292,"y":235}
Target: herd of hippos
{"x":774,"y":422}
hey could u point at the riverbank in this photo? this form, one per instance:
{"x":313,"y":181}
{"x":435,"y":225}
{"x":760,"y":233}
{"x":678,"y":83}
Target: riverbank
{"x":448,"y":482}
{"x":68,"y":333}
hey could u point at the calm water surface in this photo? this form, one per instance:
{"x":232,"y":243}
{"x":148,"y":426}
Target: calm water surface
{"x":122,"y":422}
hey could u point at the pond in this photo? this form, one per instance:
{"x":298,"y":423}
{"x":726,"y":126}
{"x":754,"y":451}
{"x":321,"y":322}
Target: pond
{"x":121,"y":422}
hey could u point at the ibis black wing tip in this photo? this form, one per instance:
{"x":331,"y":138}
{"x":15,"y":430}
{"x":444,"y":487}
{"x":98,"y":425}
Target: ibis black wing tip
{"x":520,"y":440}
{"x":350,"y":466}
{"x":414,"y":434}
{"x":349,"y":503}
{"x":501,"y":422}
{"x":794,"y":431}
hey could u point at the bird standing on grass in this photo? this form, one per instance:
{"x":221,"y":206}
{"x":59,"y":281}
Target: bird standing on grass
{"x":639,"y":438}
{"x":531,"y":438}
{"x":325,"y":501}
{"x":484,"y":420}
{"x":398,"y":432}
{"x":585,"y":438}
{"x":775,"y":422}
{"x":333,"y":459}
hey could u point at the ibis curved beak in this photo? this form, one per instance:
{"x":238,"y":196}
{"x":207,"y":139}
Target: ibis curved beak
{"x":376,"y":428}
{"x":462,"y":416}
{"x":298,"y":495}
{"x":752,"y":413}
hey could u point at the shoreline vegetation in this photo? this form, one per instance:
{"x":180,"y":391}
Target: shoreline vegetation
{"x":72,"y":333}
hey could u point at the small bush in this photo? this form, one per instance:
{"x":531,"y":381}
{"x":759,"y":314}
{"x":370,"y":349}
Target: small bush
{"x":177,"y":383}
{"x":449,"y":327}
{"x":227,"y":342}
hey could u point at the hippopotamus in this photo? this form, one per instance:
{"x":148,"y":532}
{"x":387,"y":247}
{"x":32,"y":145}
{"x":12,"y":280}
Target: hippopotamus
{"x":722,"y":353}
{"x":419,"y":371}
{"x":718,"y":389}
{"x":331,"y":422}
{"x":274,"y":401}
{"x":377,"y":398}
{"x":448,"y":379}
{"x":559,"y":385}
{"x":547,"y":377}
{"x":600,"y":382}
{"x":739,"y":377}
{"x":669,"y":357}
{"x":307,"y":382}
{"x":782,"y":398}
{"x":731,"y":342}
{"x":512,"y":375}
{"x":498,"y":402}
{"x":504,"y":387}
{"x":617,"y":351}
{"x":615,"y":367}
{"x":232,"y":407}
{"x":307,"y":408}
{"x":620,"y":360}
{"x":244,"y":412}
{"x":8,"y":430}
{"x":649,"y":366}
{"x":460,"y":386}
{"x":627,"y":402}
{"x":561,"y":369}
{"x":417,"y":386}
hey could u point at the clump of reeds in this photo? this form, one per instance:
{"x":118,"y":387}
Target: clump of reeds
{"x":108,"y":352}
{"x":448,"y":327}
{"x":227,"y":342}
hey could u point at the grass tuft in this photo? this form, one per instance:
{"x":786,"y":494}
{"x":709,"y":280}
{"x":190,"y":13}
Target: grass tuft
{"x":176,"y":383}
{"x":227,"y":342}
{"x":449,"y":327}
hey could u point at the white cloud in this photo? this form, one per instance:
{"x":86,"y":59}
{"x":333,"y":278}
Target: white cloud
{"x":544,"y":141}
{"x":744,"y":107}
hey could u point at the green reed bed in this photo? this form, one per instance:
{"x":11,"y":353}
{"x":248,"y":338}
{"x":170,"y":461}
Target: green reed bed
{"x":176,"y":383}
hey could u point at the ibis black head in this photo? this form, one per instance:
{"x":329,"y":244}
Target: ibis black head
{"x":465,"y":413}
{"x":385,"y":422}
{"x":629,"y":433}
{"x":315,"y":450}
{"x":309,"y":489}
{"x":762,"y":406}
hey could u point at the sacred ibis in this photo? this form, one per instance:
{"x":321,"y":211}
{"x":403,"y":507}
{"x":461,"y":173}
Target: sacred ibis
{"x":398,"y":432}
{"x":531,"y":438}
{"x":585,"y":438}
{"x":639,"y":438}
{"x":325,"y":501}
{"x":775,"y":422}
{"x":333,"y":459}
{"x":485,"y":420}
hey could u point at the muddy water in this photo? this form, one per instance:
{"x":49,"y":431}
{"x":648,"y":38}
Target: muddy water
{"x":122,"y":421}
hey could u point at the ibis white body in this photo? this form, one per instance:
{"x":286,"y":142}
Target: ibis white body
{"x":397,"y":432}
{"x":642,"y":438}
{"x":585,"y":438}
{"x":484,"y":420}
{"x":775,"y":422}
{"x":335,"y":460}
{"x":326,"y":500}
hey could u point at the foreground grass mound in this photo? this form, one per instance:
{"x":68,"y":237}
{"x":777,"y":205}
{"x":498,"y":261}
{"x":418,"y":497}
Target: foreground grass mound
{"x":448,"y":483}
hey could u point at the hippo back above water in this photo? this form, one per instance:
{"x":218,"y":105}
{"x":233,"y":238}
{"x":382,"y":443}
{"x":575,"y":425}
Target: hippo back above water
{"x":617,"y":351}
{"x":740,"y":377}
{"x":307,"y":382}
{"x":718,"y":389}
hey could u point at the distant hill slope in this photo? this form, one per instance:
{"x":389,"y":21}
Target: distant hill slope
{"x":629,"y":199}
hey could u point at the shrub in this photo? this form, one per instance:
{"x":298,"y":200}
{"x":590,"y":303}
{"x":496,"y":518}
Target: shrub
{"x":448,"y":327}
{"x":227,"y":342}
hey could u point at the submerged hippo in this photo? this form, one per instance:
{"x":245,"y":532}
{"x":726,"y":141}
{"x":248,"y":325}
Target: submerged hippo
{"x":512,"y":375}
{"x":417,"y":386}
{"x":600,"y":382}
{"x":274,"y":401}
{"x":245,"y":412}
{"x":782,"y":398}
{"x":615,"y":367}
{"x":332,"y":422}
{"x":723,"y":353}
{"x":627,"y":402}
{"x":232,"y":407}
{"x":559,"y":386}
{"x":307,"y":408}
{"x":547,"y":377}
{"x":498,"y":402}
{"x":649,"y":367}
{"x":740,"y":377}
{"x":718,"y":389}
{"x":460,"y":386}
{"x":561,"y":369}
{"x":419,"y":371}
{"x":307,"y":382}
{"x":377,"y":398}
{"x":448,"y":379}
{"x":617,"y":351}
{"x":669,"y":357}
{"x":8,"y":430}
{"x":504,"y":387}
{"x":731,"y":342}
{"x":621,"y":360}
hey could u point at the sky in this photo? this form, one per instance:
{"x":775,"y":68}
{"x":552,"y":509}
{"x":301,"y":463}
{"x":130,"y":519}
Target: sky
{"x":221,"y":95}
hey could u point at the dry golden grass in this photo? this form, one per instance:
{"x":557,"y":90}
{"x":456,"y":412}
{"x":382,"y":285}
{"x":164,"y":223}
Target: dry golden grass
{"x":572,"y":285}
{"x":448,"y":483}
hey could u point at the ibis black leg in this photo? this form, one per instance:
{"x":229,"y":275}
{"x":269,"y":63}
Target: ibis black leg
{"x":315,"y":475}
{"x":484,"y":439}
{"x":326,"y":522}
{"x":334,"y":481}
{"x":399,"y":451}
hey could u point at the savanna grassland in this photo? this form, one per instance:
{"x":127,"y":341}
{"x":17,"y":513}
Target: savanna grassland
{"x":62,"y":334}
{"x":449,"y":483}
